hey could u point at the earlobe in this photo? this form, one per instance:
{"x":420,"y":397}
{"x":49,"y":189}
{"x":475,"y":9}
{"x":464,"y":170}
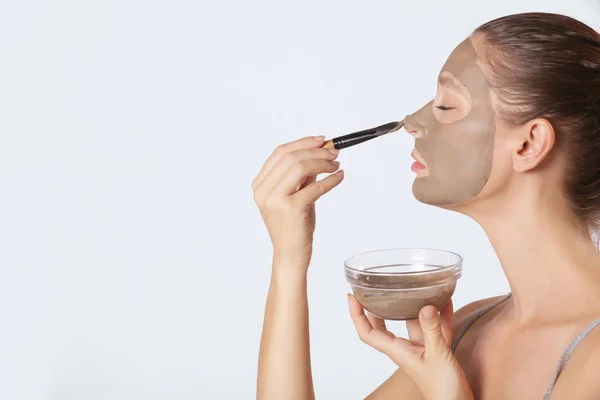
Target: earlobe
{"x":534,"y":145}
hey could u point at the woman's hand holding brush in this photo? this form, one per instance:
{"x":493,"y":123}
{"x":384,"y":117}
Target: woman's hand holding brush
{"x":285,"y":191}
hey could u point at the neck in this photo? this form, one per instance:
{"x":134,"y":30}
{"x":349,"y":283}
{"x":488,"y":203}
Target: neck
{"x":551,"y":263}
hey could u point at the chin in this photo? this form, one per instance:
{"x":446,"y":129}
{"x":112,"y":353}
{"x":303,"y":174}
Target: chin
{"x":424,"y":195}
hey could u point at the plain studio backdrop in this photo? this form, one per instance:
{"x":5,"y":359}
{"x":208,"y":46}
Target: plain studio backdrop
{"x":134,"y":262}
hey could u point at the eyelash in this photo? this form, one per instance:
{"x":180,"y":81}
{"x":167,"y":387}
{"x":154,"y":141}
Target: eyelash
{"x":442,"y":108}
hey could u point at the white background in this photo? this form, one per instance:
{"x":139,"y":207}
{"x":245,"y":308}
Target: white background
{"x":133,"y":262}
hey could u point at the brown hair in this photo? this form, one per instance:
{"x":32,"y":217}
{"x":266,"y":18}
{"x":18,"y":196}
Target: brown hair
{"x":548,"y":66}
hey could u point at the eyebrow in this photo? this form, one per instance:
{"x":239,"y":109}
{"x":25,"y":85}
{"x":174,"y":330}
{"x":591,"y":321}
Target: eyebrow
{"x":449,"y":80}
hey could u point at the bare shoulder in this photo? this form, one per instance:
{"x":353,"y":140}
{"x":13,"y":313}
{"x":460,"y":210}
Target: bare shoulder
{"x":464,"y":313}
{"x":579,"y":379}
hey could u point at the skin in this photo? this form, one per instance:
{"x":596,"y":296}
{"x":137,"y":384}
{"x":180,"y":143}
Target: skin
{"x":456,"y":144}
{"x":551,"y":264}
{"x":285,"y":191}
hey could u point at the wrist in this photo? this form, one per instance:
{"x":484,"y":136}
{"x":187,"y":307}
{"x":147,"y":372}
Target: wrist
{"x":284,"y":273}
{"x":290,"y":265}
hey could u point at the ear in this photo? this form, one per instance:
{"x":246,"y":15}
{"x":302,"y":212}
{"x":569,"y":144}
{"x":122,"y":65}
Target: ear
{"x":533,"y":143}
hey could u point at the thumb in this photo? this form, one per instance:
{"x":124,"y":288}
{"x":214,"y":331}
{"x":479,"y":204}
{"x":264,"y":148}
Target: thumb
{"x":432,"y":329}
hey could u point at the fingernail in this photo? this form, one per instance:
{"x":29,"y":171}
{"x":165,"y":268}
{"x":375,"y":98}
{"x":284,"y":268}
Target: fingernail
{"x":336,"y":163}
{"x":340,"y":173}
{"x":319,"y":138}
{"x":429,"y":313}
{"x":335,"y":152}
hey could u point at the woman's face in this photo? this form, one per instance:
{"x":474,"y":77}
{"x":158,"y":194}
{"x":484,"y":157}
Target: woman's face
{"x":454,"y":134}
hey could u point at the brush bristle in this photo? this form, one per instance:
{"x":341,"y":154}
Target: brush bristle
{"x":400,"y":125}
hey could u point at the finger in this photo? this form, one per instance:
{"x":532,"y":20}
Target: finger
{"x":312,"y":192}
{"x":373,"y":337}
{"x":415,"y":333}
{"x":432,"y":328}
{"x":308,"y":181}
{"x":289,"y":159}
{"x":377,"y":323}
{"x":304,"y":143}
{"x":296,"y":175}
{"x":447,"y":317}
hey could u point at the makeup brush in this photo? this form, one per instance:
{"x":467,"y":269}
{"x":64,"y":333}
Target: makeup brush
{"x":355,"y":138}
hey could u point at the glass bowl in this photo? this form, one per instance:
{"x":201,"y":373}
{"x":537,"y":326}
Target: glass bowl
{"x":395,"y":284}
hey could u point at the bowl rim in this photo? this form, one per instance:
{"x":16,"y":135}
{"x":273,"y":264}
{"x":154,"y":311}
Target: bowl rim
{"x":449,"y":267}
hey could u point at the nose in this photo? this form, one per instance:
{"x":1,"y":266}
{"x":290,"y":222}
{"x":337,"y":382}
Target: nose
{"x":413,"y":127}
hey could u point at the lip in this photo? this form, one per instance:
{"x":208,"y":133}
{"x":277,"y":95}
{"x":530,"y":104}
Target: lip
{"x":419,"y":166}
{"x":418,"y":158}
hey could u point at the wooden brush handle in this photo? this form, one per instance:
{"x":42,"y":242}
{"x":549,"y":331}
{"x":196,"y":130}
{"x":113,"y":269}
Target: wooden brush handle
{"x":328,"y":145}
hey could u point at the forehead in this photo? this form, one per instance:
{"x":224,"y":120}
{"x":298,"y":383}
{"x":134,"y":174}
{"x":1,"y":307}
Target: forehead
{"x":463,"y":64}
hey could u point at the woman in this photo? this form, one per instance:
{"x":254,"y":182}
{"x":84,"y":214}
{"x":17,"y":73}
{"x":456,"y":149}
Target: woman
{"x":512,"y":140}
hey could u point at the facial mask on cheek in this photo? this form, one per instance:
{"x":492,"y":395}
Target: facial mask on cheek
{"x":458,"y":155}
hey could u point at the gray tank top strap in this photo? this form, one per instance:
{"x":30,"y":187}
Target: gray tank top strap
{"x":474,"y":317}
{"x":564,"y":359}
